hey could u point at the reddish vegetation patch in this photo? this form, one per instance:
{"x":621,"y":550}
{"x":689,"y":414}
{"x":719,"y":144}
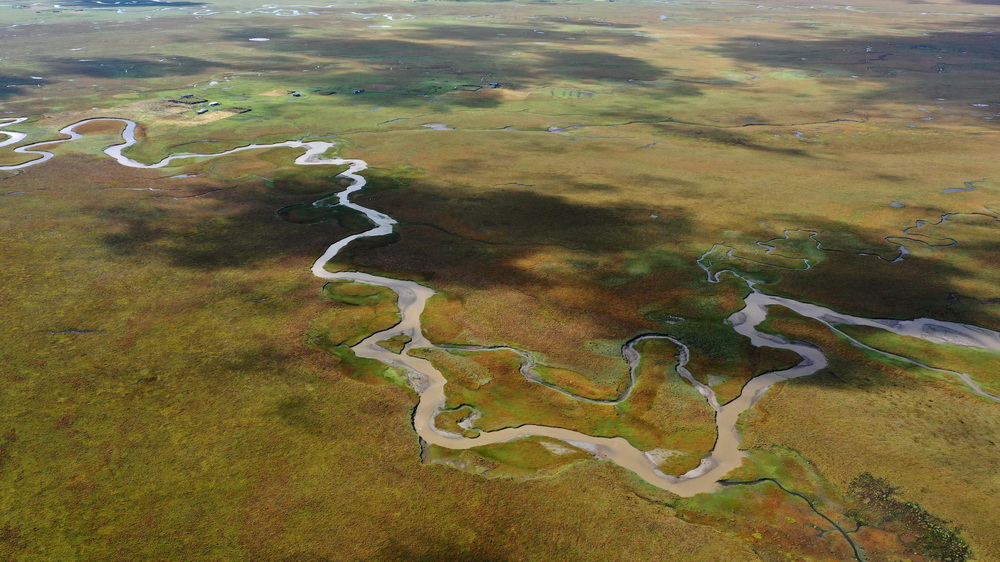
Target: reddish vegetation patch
{"x":100,"y":128}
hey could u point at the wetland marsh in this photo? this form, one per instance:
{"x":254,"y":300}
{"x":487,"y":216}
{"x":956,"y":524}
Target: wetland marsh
{"x":704,"y":274}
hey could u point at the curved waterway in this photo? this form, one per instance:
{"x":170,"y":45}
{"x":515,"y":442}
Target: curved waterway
{"x":429,"y":383}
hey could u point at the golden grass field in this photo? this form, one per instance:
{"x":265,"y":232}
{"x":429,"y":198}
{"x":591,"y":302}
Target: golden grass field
{"x":177,"y":385}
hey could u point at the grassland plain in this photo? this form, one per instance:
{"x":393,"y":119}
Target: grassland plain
{"x":172,"y":391}
{"x":919,"y":410}
{"x":159,"y":403}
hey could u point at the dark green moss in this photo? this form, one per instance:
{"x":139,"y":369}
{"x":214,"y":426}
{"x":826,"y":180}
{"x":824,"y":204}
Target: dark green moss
{"x":881,"y":507}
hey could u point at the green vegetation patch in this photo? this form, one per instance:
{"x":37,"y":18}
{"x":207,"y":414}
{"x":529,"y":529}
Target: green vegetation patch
{"x":878,"y":504}
{"x":578,"y":384}
{"x":448,"y":420}
{"x":777,"y":524}
{"x":308,"y":180}
{"x":980,"y":364}
{"x":728,"y":357}
{"x":359,"y":368}
{"x":780,"y":503}
{"x":356,"y":294}
{"x":396,"y":343}
{"x":468,"y":369}
{"x":358,"y":310}
{"x":307,"y":213}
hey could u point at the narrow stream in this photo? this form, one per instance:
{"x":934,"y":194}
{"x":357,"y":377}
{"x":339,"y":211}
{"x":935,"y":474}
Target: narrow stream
{"x":429,"y":383}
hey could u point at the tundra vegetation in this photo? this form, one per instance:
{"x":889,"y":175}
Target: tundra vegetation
{"x":567,"y":176}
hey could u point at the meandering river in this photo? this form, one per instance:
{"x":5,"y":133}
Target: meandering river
{"x":429,"y":383}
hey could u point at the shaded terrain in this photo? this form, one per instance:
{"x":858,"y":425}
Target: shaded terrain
{"x":178,"y":383}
